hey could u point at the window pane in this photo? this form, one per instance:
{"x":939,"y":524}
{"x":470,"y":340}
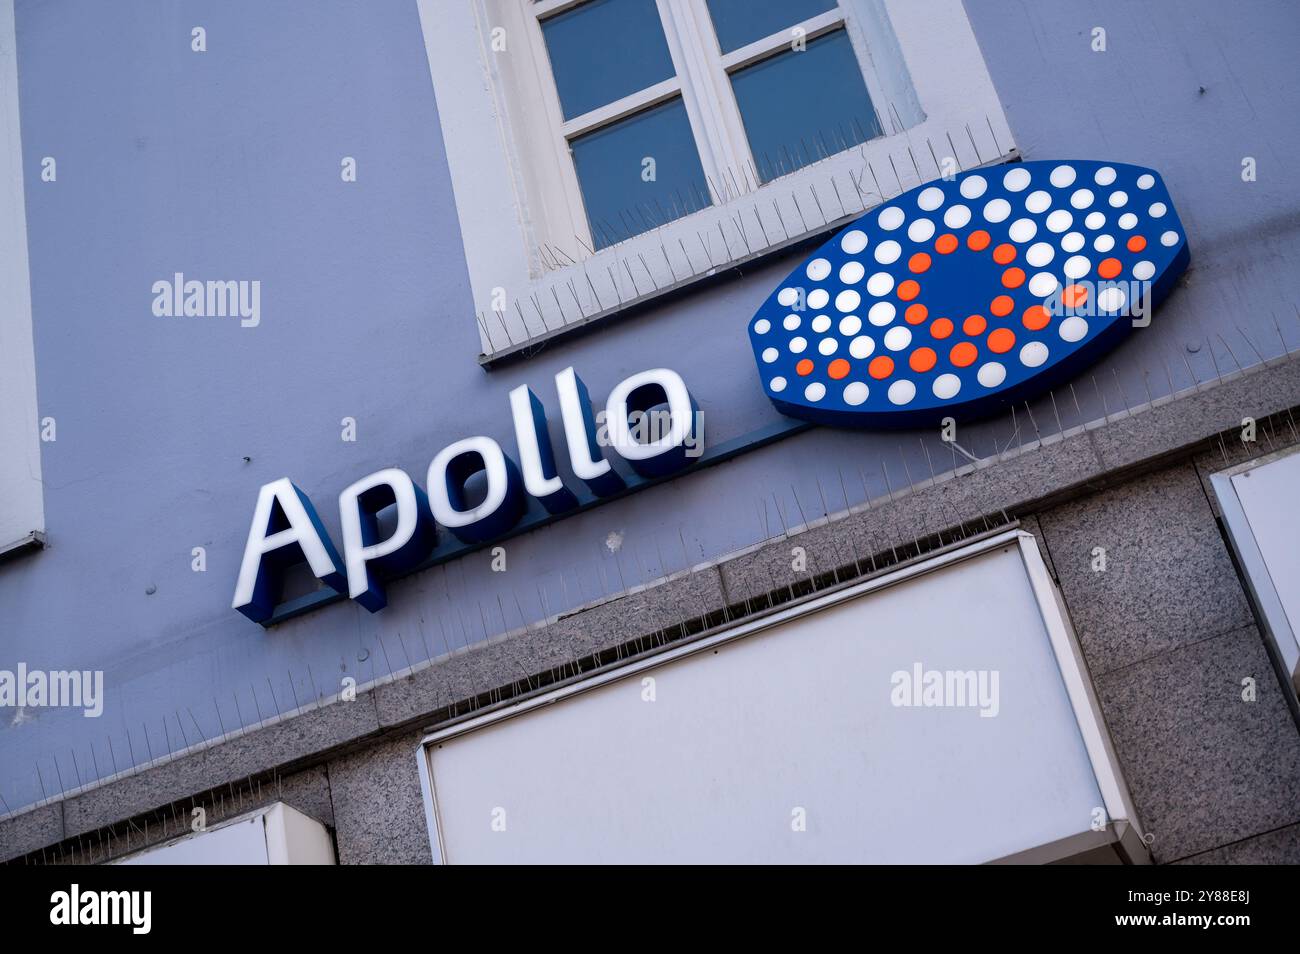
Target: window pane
{"x":639,"y":173}
{"x":739,"y":22}
{"x":802,"y":106}
{"x":604,"y":50}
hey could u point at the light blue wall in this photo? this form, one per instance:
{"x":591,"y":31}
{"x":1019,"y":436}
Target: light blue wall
{"x":225,"y":165}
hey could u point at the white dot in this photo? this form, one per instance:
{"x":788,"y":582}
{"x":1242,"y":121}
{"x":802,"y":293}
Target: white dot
{"x":1017,"y":180}
{"x":1040,"y":254}
{"x":817,"y":298}
{"x":930,"y":199}
{"x":1043,"y":284}
{"x":880,"y":284}
{"x":828,"y":346}
{"x":946,"y":386}
{"x":847,"y":301}
{"x":1076,"y":266}
{"x":997,"y":210}
{"x":1127,"y":221}
{"x":856,"y":393}
{"x":777,"y":384}
{"x":798,"y":344}
{"x":1143,"y":271}
{"x":1103,"y":243}
{"x":920,"y":230}
{"x":887,"y":252}
{"x":1146,"y":181}
{"x":898,"y":338}
{"x":770,"y":355}
{"x":1111,"y":299}
{"x":1059,"y":221}
{"x":957,"y":217}
{"x":1095,"y":220}
{"x":854,"y":242}
{"x":972,"y":187}
{"x":1157,"y":210}
{"x":1022,"y":230}
{"x":891,"y":218}
{"x":787,"y":296}
{"x":820,"y":324}
{"x":1082,"y":198}
{"x":850,"y":325}
{"x":1105,"y":176}
{"x":992,"y":374}
{"x":1169,"y":238}
{"x":791,"y":322}
{"x":1063,"y":176}
{"x":762,"y":326}
{"x":1118,"y":199}
{"x":818,"y":269}
{"x":902,"y":392}
{"x":1038,"y":202}
{"x":1072,"y":241}
{"x":851,"y":273}
{"x":881,"y":313}
{"x":1073,"y":329}
{"x":862,"y":347}
{"x":1033,"y":354}
{"x":815,"y":391}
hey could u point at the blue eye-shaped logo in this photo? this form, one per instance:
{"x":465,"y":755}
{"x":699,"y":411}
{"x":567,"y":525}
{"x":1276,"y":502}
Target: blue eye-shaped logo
{"x":963,"y":296}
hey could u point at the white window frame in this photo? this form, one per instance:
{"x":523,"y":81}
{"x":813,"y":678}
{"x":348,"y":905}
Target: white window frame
{"x":22,"y":509}
{"x":533,"y":270}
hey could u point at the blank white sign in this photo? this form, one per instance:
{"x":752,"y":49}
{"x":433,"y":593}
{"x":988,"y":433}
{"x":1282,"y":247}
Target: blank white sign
{"x":717,"y":756}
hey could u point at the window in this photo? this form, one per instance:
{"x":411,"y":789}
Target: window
{"x":603,"y":152}
{"x":634,"y":117}
{"x":1257,"y":500}
{"x":22,"y":519}
{"x":848,"y":724}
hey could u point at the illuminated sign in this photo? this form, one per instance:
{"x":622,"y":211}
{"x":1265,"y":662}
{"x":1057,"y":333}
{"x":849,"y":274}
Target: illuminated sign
{"x":390,"y":523}
{"x":952,"y":300}
{"x":962,"y":296}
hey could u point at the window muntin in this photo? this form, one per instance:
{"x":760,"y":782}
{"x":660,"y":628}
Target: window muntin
{"x":740,"y":22}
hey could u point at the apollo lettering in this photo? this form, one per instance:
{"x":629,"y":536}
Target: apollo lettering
{"x":390,"y":524}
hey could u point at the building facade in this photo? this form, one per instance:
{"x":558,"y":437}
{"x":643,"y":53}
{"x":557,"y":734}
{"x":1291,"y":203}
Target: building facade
{"x":248,"y":244}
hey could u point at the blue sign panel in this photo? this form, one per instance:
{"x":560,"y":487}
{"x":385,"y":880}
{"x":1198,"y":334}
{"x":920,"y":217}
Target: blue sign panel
{"x":965,"y":295}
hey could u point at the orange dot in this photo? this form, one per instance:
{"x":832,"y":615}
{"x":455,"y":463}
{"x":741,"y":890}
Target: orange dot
{"x":1001,"y":340}
{"x":1002,"y":306}
{"x":978,"y":241}
{"x":1036,"y":318}
{"x":1074,"y":296}
{"x":941,"y":328}
{"x":919,"y":262}
{"x":916,"y":314}
{"x":1137,"y":243}
{"x":946,"y":244}
{"x":1013,"y":278}
{"x":881,"y":367}
{"x":974,"y":325}
{"x":1109,"y":267}
{"x":1004,"y":254}
{"x":963,"y":354}
{"x":922,"y":359}
{"x":908,"y":290}
{"x":839,"y":369}
{"x":804,"y":367}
